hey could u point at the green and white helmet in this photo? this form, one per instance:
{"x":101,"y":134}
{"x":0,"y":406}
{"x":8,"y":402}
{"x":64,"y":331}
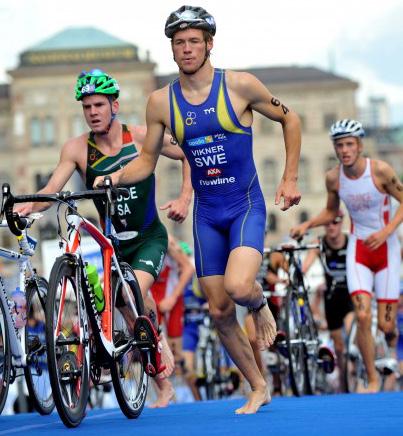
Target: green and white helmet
{"x":95,"y":81}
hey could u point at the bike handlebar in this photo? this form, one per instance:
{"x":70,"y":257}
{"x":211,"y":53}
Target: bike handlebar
{"x":290,"y":248}
{"x":17,"y":223}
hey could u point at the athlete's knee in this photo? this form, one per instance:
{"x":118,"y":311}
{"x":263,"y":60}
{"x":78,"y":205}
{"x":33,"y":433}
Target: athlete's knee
{"x":364,"y":318}
{"x":239,"y":289}
{"x":389,"y":328}
{"x":222,"y":315}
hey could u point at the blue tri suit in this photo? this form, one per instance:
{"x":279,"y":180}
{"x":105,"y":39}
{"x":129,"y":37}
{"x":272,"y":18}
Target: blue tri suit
{"x":229,"y":209}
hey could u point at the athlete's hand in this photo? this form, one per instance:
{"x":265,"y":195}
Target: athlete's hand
{"x":99,"y":181}
{"x":299,"y":231}
{"x":177,"y":209}
{"x":24,"y":209}
{"x":375,"y":240}
{"x":288,"y":190}
{"x":167,"y":303}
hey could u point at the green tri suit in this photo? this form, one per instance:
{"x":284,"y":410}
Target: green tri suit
{"x":137,"y":211}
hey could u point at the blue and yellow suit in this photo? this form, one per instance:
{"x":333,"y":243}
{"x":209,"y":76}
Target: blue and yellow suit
{"x":229,"y":209}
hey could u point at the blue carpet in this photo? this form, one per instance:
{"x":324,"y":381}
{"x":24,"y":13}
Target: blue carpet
{"x":341,"y":415}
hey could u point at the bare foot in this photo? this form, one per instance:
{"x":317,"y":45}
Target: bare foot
{"x":372,"y":388}
{"x":256,"y":399}
{"x":266,"y":329}
{"x":167,"y":358}
{"x":165,"y":393}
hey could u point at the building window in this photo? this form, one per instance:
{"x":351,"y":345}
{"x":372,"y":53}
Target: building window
{"x":302,"y":119}
{"x":78,"y":125}
{"x":269,"y":176}
{"x":331,"y":162}
{"x":303,"y":216}
{"x":49,"y":131}
{"x":271,"y":225}
{"x":41,"y":180}
{"x":266,"y":125}
{"x":36,"y":134}
{"x":173,"y":178}
{"x":328,"y":120}
{"x":303,"y":178}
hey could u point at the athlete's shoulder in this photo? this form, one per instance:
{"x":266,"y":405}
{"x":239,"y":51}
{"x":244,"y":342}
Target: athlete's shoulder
{"x":381,"y":168}
{"x":77,"y":144}
{"x":332,"y":177}
{"x":138,"y":133}
{"x":240,"y":80}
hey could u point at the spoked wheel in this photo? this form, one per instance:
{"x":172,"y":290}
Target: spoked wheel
{"x":67,"y":338}
{"x":311,"y":343}
{"x":130,"y":381}
{"x":36,"y":371}
{"x":295,"y":345}
{"x":5,"y":358}
{"x":355,"y":373}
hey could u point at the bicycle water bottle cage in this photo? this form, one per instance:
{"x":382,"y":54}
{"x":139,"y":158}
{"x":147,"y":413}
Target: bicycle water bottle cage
{"x":146,"y":334}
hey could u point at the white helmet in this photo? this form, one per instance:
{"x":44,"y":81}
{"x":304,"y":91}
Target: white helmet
{"x":343,"y":128}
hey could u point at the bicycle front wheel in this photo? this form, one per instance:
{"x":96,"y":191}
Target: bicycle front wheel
{"x":295,"y":345}
{"x":67,"y":338}
{"x":36,"y":371}
{"x":5,"y":357}
{"x":130,"y":381}
{"x":311,"y":345}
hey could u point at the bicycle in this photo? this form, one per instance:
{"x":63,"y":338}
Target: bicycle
{"x":301,"y":344}
{"x":22,"y":343}
{"x":385,"y":363}
{"x":210,"y":362}
{"x":82,"y":340}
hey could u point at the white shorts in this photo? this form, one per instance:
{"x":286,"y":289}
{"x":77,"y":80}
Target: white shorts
{"x":378,"y":269}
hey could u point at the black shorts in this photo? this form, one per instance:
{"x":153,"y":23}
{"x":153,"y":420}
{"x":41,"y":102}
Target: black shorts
{"x":337,"y":305}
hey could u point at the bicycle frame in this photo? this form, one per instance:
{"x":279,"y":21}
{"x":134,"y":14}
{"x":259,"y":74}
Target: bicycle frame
{"x":16,"y":335}
{"x":104,"y":321}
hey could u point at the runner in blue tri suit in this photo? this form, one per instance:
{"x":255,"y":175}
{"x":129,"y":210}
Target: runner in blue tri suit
{"x":210,"y":112}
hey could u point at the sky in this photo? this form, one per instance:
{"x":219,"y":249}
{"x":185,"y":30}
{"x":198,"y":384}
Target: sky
{"x":362,"y":40}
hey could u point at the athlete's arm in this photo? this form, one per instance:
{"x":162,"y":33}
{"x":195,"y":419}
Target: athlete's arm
{"x":386,"y":176}
{"x":310,"y":259}
{"x":178,"y":208}
{"x":186,"y":271}
{"x":261,"y":100}
{"x":142,"y":167}
{"x":62,"y":173}
{"x":329,"y":213}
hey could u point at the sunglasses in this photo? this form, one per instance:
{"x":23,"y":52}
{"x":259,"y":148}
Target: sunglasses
{"x":337,"y":220}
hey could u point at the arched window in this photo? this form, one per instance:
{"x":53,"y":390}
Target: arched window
{"x":303,"y":216}
{"x":271,"y":225}
{"x":268,"y":175}
{"x":303,"y":175}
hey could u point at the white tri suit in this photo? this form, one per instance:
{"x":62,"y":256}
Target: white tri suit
{"x":370,"y":212}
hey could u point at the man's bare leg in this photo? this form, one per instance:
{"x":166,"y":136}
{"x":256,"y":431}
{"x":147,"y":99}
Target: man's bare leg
{"x":365,"y":341}
{"x":165,"y":390}
{"x":222,"y":309}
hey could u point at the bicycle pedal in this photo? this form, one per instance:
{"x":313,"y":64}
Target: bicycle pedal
{"x":326,"y":359}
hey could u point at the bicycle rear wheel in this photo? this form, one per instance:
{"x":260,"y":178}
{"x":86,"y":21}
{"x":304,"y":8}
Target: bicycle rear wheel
{"x":130,"y":381}
{"x":5,"y":357}
{"x":36,"y":371}
{"x":311,"y":344}
{"x":67,"y":339}
{"x":295,"y":345}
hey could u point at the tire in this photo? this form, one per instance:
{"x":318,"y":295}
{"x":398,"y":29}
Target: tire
{"x":68,"y":353}
{"x":355,"y":373}
{"x":311,"y":344}
{"x":5,"y":358}
{"x":130,"y":381}
{"x":295,"y":344}
{"x":36,"y":371}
